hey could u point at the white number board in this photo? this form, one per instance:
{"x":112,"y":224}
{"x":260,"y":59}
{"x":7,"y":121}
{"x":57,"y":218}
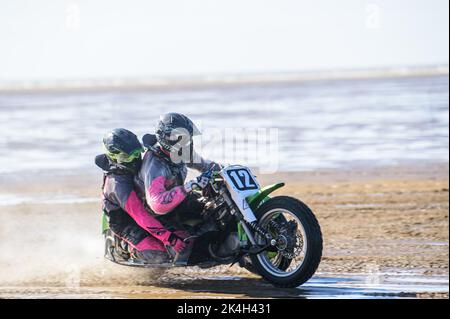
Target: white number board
{"x":241,"y":184}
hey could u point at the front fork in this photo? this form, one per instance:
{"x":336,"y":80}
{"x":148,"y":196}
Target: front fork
{"x":246,"y":231}
{"x":243,"y":226}
{"x":249,"y":228}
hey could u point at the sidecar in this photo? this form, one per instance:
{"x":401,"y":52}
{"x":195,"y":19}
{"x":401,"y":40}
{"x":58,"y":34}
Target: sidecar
{"x":118,"y":251}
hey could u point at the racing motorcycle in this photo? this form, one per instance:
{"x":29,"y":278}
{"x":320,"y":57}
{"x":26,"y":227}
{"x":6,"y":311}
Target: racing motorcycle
{"x":277,"y":238}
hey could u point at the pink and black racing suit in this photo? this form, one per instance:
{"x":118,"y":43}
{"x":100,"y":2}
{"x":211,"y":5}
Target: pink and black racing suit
{"x":161,"y":182}
{"x":128,"y":217}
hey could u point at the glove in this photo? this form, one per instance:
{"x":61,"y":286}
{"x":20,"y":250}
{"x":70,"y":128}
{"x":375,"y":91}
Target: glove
{"x":179,"y":246}
{"x":177,"y":243}
{"x":199,"y":183}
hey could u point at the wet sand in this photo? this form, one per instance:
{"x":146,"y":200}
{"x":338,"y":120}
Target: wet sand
{"x":385,"y":235}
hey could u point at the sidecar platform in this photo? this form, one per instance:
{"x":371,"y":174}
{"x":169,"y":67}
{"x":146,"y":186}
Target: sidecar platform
{"x":134,"y":263}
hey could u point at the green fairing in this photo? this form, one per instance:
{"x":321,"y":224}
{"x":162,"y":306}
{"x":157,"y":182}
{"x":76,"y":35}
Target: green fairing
{"x":105,"y":224}
{"x":262,"y":195}
{"x":255,"y":201}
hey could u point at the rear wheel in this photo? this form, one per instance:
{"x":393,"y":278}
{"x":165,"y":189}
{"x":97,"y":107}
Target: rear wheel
{"x":297,"y":254}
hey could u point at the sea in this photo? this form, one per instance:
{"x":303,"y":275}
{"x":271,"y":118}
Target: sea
{"x":292,"y":126}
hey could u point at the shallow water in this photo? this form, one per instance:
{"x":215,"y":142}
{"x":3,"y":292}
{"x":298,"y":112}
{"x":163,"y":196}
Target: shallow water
{"x":322,"y":286}
{"x":387,"y":285}
{"x":15,"y":199}
{"x":323,"y":124}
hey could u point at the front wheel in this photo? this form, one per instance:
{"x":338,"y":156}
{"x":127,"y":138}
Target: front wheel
{"x":296,"y":256}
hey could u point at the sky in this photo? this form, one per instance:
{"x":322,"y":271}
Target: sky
{"x":72,"y":39}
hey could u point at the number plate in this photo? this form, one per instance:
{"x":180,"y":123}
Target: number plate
{"x":242,"y":179}
{"x":241,"y":183}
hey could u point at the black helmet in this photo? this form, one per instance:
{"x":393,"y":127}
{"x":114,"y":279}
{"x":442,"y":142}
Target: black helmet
{"x":122,"y":147}
{"x":175,"y":131}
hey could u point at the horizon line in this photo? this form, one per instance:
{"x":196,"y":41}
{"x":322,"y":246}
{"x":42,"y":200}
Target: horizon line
{"x":136,"y":83}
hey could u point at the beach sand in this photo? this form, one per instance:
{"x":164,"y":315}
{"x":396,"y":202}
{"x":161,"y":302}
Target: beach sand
{"x":387,"y":224}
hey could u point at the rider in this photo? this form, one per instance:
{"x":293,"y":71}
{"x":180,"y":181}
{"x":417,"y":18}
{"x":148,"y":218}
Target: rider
{"x":161,"y":179}
{"x":128,"y":218}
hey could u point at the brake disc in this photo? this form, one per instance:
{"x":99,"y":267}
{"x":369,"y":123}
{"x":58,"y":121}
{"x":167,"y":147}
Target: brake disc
{"x":293,"y":241}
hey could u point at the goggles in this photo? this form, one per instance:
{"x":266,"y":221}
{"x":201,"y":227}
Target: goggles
{"x":124,"y":157}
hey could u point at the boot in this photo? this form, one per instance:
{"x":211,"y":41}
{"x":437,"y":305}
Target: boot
{"x":181,"y":258}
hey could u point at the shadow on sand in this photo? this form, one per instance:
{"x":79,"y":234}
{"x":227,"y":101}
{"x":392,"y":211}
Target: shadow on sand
{"x":231,"y":287}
